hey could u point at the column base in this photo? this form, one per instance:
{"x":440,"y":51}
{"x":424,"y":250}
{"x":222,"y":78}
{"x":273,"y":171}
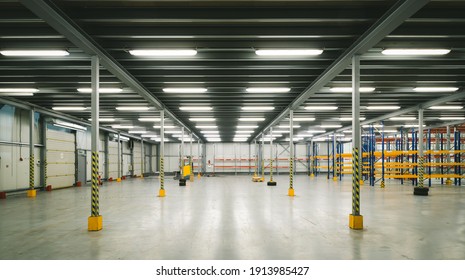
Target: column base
{"x":448,"y":182}
{"x":290,"y":192}
{"x":271,"y":183}
{"x":356,"y":221}
{"x":182,"y":182}
{"x":361,"y":182}
{"x":383,"y":184}
{"x":334,"y":178}
{"x":118,"y":180}
{"x":423,"y":191}
{"x":161,"y":193}
{"x":198,"y":175}
{"x":31,"y":193}
{"x":94,"y":223}
{"x":191,"y":178}
{"x":142,"y":176}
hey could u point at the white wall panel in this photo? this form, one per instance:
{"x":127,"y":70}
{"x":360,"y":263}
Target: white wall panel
{"x":60,"y":158}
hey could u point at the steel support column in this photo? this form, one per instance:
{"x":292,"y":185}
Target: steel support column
{"x":31,"y":191}
{"x":291,"y":153}
{"x":161,"y":192}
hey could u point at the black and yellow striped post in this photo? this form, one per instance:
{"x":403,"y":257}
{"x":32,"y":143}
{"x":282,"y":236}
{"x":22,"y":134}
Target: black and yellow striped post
{"x":161,"y":192}
{"x":31,"y":192}
{"x":355,"y":219}
{"x":420,"y":189}
{"x":290,"y":191}
{"x":95,"y":221}
{"x":271,"y":182}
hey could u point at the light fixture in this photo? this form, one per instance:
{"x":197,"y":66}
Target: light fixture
{"x":149,"y":119}
{"x":402,"y":118}
{"x":446,"y":107}
{"x":202,"y":119}
{"x":320,"y":108}
{"x":389,"y":131}
{"x":16,"y":94}
{"x":209,"y":132}
{"x":121,"y":126}
{"x":349,"y":89}
{"x":288,"y":52}
{"x":163,"y":52}
{"x":133,"y":108}
{"x":105,"y":119}
{"x":288,"y":126}
{"x":184,"y":90}
{"x":214,"y":139}
{"x":383,"y":107}
{"x":372,"y":125}
{"x":137,"y":131}
{"x":281,"y":131}
{"x":206,"y":126}
{"x":415,"y":51}
{"x":247,"y":126}
{"x":164,"y":127}
{"x":195,"y":108}
{"x":173,"y":131}
{"x":412,"y":125}
{"x":451,"y":118}
{"x":347,"y":131}
{"x":304,"y":135}
{"x":100,"y":90}
{"x":294,"y":139}
{"x":69,"y":125}
{"x":251,"y":119}
{"x":19,"y":90}
{"x":34,"y":53}
{"x":72,"y":108}
{"x":330,"y":125}
{"x":267,"y":89}
{"x":298,"y":119}
{"x":350,"y":119}
{"x":149,"y":135}
{"x":316,"y":131}
{"x":159,"y":139}
{"x":275,"y":135}
{"x":257,"y":108}
{"x":435,"y":89}
{"x":240,"y":139}
{"x":244,"y":131}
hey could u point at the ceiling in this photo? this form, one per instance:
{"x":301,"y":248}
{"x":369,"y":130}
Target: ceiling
{"x":225,"y":35}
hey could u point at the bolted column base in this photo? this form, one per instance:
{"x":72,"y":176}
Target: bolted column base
{"x":356,"y":221}
{"x":423,"y":191}
{"x":271,"y":183}
{"x":31,"y":193}
{"x":161,"y":193}
{"x":290,"y":192}
{"x":94,"y":223}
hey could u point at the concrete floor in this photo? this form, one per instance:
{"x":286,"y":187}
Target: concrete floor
{"x":230,"y":217}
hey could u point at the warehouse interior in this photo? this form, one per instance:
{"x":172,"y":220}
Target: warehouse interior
{"x":301,"y":129}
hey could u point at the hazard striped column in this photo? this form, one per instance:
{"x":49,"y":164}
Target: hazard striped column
{"x":420,"y":189}
{"x":94,"y":222}
{"x":355,"y":219}
{"x":161,"y":192}
{"x":290,"y":191}
{"x":31,"y":191}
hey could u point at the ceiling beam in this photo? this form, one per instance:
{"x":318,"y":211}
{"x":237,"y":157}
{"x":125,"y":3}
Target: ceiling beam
{"x":58,"y":20}
{"x":392,"y":19}
{"x":425,"y":105}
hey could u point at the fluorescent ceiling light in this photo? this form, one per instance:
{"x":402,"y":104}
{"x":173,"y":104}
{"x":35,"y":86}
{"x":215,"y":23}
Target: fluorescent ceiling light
{"x":347,"y":131}
{"x":267,"y":89}
{"x":349,"y":89}
{"x":303,"y":119}
{"x":163,"y":52}
{"x":34,"y":53}
{"x":240,"y":139}
{"x":173,"y":131}
{"x":202,"y":119}
{"x":69,"y":108}
{"x":412,"y":125}
{"x":350,"y":119}
{"x":16,"y":94}
{"x":150,"y":135}
{"x":446,"y":107}
{"x":320,"y":108}
{"x":288,"y":52}
{"x":133,"y":108}
{"x":435,"y":89}
{"x":105,"y":119}
{"x":451,"y":118}
{"x":184,"y":90}
{"x":195,"y":108}
{"x":122,"y":126}
{"x":402,"y":118}
{"x":149,"y":119}
{"x":251,"y":119}
{"x":415,"y":51}
{"x":316,"y":131}
{"x":258,"y":108}
{"x":244,"y":131}
{"x":294,"y":139}
{"x":100,"y":90}
{"x":209,"y":132}
{"x":288,"y":126}
{"x":304,"y":135}
{"x":330,"y":125}
{"x":274,"y":135}
{"x":214,"y":139}
{"x":137,"y":132}
{"x":372,"y":125}
{"x":389,"y":131}
{"x":247,"y":126}
{"x":64,"y":124}
{"x":383,"y":107}
{"x":19,"y":90}
{"x":165,"y":126}
{"x":206,"y":126}
{"x":159,"y":139}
